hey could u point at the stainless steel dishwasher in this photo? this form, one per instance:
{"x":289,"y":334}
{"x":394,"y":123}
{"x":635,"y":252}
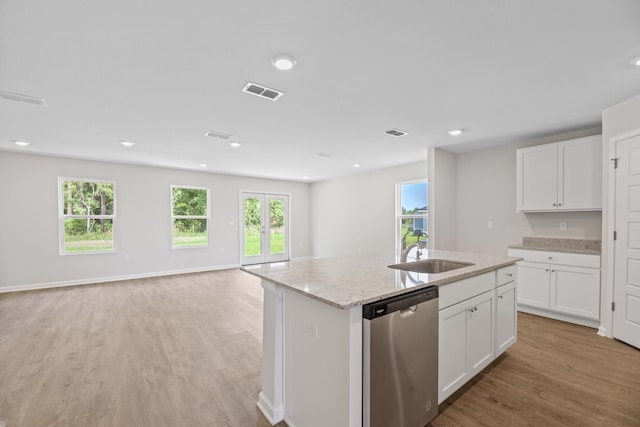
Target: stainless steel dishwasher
{"x":400,"y":360}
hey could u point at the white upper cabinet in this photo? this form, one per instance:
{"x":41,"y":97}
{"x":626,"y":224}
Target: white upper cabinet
{"x":563,"y":176}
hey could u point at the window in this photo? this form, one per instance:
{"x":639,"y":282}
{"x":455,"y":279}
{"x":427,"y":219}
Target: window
{"x":412,"y":209}
{"x":189,"y":216}
{"x":87,"y":214}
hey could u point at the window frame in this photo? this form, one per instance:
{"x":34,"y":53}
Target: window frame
{"x":400,"y":216}
{"x":174,"y":217}
{"x":63,"y":216}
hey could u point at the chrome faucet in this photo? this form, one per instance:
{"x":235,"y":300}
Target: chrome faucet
{"x":420,"y":244}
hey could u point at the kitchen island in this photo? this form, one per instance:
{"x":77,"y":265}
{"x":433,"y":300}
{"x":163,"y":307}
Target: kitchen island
{"x":312,"y":328}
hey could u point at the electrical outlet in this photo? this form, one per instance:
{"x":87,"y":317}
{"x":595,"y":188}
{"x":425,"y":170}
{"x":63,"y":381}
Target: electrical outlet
{"x":490,"y":224}
{"x":563,"y":226}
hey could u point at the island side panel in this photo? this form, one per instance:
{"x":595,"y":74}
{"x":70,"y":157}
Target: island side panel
{"x":271,"y":398}
{"x":323,"y":363}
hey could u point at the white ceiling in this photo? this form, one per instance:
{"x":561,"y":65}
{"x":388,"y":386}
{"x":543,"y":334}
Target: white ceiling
{"x":161,"y":73}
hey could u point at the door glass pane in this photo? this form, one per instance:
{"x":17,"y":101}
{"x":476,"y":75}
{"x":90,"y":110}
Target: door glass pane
{"x":276,"y":225}
{"x":252,"y":227}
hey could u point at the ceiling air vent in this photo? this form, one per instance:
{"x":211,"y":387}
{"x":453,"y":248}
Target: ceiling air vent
{"x":219,"y":135}
{"x":22,"y":98}
{"x":327,"y":155}
{"x":262,"y":91}
{"x":396,"y":132}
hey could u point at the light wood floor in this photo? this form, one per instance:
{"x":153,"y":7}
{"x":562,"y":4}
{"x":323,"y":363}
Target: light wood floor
{"x":186,"y":351}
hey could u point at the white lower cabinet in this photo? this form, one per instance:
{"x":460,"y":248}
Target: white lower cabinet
{"x":533,"y":281}
{"x":561,"y":285}
{"x":575,"y":290}
{"x":506,"y":317}
{"x":465,"y":342}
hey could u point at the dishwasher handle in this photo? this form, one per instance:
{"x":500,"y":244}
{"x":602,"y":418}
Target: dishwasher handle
{"x":406,"y":312}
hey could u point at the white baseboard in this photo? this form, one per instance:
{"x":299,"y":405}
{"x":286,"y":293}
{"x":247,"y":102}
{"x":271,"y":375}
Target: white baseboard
{"x":559,"y":316}
{"x":94,"y":280}
{"x":273,"y":415}
{"x":602,"y":331}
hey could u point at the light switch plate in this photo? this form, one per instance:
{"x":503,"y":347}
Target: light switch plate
{"x":563,"y":226}
{"x":490,"y":224}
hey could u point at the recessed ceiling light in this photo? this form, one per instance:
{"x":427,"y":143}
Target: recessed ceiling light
{"x":21,"y":143}
{"x":356,"y":165}
{"x":455,"y":132}
{"x":203,"y":165}
{"x":305,"y":177}
{"x":636,"y":61}
{"x":283,"y":61}
{"x":127,"y":143}
{"x":235,"y":144}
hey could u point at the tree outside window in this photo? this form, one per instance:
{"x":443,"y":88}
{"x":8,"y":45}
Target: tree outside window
{"x":190,"y":216}
{"x":87,"y":215}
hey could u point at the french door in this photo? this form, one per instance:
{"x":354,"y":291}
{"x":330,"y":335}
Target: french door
{"x":265,"y":228}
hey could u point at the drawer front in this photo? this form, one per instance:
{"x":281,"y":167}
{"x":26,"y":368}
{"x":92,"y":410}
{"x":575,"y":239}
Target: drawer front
{"x":455,"y":292}
{"x":506,"y":275}
{"x":562,"y":258}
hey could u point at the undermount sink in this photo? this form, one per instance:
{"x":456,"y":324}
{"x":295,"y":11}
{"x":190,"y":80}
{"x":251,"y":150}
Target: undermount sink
{"x":431,"y":266}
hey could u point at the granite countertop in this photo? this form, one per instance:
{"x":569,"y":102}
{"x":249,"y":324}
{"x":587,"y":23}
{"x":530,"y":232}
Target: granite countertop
{"x":348,"y":281}
{"x":554,"y":244}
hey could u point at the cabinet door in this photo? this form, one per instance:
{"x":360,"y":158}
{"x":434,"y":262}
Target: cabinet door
{"x":580,"y":174}
{"x":480,"y":329}
{"x":452,"y":349}
{"x":533,"y":284}
{"x":537,"y":178}
{"x":506,"y":317}
{"x":575,"y":290}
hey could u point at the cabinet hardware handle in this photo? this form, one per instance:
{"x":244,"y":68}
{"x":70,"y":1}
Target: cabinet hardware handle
{"x":559,"y":204}
{"x":509,"y":274}
{"x":546,"y":269}
{"x":501,"y":296}
{"x":554,"y":204}
{"x":553,"y":271}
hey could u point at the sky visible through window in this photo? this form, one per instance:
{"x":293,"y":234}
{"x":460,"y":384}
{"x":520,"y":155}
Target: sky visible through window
{"x":414,"y":196}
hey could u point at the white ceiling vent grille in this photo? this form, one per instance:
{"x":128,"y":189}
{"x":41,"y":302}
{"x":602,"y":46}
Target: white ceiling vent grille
{"x":262,"y":91}
{"x":396,"y":132}
{"x":326,"y":155}
{"x":219,"y":135}
{"x":9,"y":96}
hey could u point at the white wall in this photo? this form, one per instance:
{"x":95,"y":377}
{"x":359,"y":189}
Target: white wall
{"x":356,"y":214}
{"x":442,"y":199}
{"x":486,"y":191}
{"x":616,"y":120}
{"x":29,"y":221}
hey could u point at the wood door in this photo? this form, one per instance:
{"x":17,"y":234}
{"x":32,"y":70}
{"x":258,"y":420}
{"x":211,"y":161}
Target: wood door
{"x":537,"y":178}
{"x":626,"y":293}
